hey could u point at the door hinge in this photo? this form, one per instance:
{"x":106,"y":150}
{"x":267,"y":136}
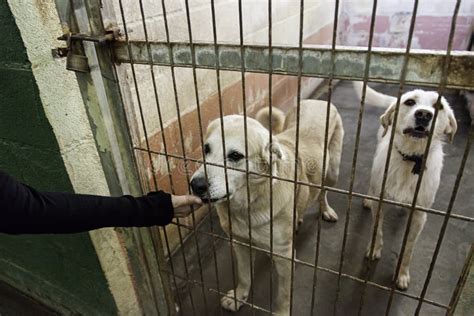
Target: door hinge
{"x":74,"y":51}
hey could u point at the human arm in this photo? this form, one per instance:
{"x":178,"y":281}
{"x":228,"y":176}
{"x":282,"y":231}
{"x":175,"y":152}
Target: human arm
{"x":24,"y":210}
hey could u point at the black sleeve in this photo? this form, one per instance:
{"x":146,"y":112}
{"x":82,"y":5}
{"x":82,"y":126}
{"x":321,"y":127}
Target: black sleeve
{"x":23,"y":210}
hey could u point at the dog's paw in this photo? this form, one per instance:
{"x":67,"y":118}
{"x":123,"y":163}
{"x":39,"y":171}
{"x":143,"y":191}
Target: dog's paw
{"x":403,"y":281}
{"x":298,"y":225}
{"x":366,"y":204}
{"x":228,"y":302}
{"x":330,"y":215}
{"x":377,"y":254}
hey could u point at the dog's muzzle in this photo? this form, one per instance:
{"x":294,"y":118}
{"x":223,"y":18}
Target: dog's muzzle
{"x":200,"y":188}
{"x":417,"y":132}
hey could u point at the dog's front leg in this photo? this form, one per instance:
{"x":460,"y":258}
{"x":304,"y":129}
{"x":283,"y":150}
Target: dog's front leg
{"x":242,"y":258}
{"x":283,"y":269}
{"x":417,"y":224}
{"x":377,"y":251}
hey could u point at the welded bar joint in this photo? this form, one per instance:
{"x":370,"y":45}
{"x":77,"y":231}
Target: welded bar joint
{"x":424,"y":66}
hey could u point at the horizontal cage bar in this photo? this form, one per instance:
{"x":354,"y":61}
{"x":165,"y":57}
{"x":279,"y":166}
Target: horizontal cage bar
{"x":318,"y":186}
{"x":385,"y":65}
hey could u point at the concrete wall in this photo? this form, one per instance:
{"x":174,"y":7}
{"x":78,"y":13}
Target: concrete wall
{"x":393,"y":19}
{"x":318,"y":21}
{"x":63,"y":106}
{"x":61,"y":271}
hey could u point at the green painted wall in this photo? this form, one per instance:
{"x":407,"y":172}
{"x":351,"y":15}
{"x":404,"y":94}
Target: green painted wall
{"x":63,"y":270}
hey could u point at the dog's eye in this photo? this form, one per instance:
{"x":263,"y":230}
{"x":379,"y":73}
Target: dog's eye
{"x":235,"y":156}
{"x":409,"y":102}
{"x":207,"y":149}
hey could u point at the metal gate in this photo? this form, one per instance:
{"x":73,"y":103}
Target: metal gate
{"x":101,"y":45}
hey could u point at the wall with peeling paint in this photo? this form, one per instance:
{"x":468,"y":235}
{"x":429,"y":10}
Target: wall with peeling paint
{"x":255,"y":20}
{"x":393,"y":18}
{"x":60,"y":271}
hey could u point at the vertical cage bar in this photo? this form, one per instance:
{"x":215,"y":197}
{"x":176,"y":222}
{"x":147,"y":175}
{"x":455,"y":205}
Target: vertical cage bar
{"x":322,"y":193}
{"x":201,"y":138}
{"x":270,"y":141}
{"x":466,"y":277}
{"x":180,"y":127}
{"x":297,"y":138}
{"x":441,"y":89}
{"x":244,"y":106}
{"x":354,"y":159}
{"x":88,"y":13}
{"x":221,"y":114}
{"x":155,"y":183}
{"x":390,"y":147}
{"x":446,"y":219}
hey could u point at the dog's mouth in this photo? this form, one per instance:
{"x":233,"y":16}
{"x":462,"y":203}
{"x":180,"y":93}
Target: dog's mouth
{"x":417,"y":132}
{"x":213,"y":200}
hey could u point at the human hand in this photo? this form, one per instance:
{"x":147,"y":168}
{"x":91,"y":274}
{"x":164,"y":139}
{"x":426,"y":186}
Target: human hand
{"x":182,"y":204}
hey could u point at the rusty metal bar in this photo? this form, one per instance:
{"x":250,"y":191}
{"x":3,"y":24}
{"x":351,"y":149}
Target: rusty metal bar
{"x":332,"y":189}
{"x":462,"y":302}
{"x":386,"y":64}
{"x":270,"y":141}
{"x":322,"y":193}
{"x":173,"y":77}
{"x":355,"y":154}
{"x":201,"y":138}
{"x":155,"y":239}
{"x":297,"y":143}
{"x":244,"y":106}
{"x":221,"y":115}
{"x":446,"y":218}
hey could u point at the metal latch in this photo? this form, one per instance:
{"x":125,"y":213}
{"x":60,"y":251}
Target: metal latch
{"x":74,"y":52}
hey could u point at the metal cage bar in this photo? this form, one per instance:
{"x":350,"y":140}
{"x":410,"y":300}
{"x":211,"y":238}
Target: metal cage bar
{"x":297,"y":143}
{"x":322,"y":194}
{"x":201,"y":138}
{"x":142,"y":119}
{"x":318,"y":186}
{"x":355,"y":152}
{"x":246,"y":151}
{"x":385,"y":67}
{"x":270,"y":141}
{"x":221,"y":116}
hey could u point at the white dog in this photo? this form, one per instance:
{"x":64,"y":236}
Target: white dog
{"x":282,"y":149}
{"x":415,"y":120}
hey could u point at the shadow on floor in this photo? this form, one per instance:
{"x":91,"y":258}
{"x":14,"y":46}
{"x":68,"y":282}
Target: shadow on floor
{"x":459,"y":235}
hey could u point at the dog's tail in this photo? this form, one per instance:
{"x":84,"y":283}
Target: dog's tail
{"x":278,"y":119}
{"x":373,"y":97}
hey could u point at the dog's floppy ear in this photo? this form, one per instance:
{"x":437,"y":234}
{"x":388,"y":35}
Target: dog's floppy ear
{"x":452,"y":126}
{"x":212,"y":126}
{"x":387,"y":118}
{"x":274,"y":149}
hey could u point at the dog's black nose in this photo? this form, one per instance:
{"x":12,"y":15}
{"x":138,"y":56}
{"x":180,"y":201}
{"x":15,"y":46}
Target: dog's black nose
{"x":199,"y":185}
{"x":423,"y":117}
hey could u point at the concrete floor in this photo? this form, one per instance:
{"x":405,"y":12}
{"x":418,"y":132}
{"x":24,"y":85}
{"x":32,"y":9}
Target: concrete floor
{"x":453,"y":252}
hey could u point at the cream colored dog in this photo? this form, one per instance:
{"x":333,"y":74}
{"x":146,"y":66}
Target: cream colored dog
{"x":282,"y":149}
{"x":415,"y":118}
